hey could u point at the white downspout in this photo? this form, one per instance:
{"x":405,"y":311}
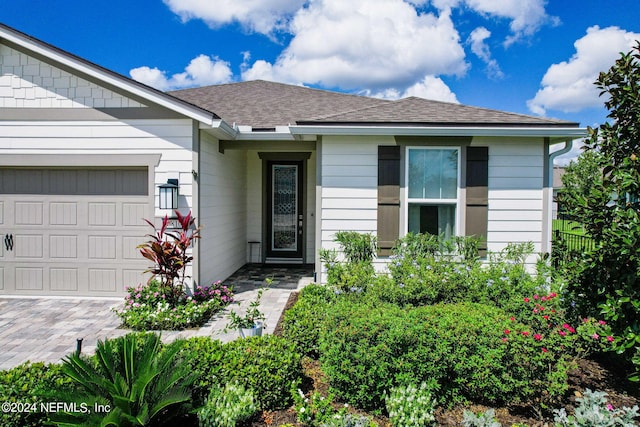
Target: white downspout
{"x":549,"y":190}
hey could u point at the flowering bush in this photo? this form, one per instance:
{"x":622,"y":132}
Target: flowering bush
{"x":548,"y":331}
{"x":546,"y":345}
{"x":148,"y":307}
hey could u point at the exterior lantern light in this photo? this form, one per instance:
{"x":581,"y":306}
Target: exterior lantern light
{"x":169,"y":194}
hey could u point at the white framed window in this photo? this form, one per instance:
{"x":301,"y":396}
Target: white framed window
{"x":432,"y":190}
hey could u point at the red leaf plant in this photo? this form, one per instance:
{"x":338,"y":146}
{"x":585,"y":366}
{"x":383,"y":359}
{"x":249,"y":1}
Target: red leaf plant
{"x":168,"y":250}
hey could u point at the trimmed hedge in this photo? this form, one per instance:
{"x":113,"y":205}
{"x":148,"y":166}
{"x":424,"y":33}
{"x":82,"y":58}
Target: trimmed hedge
{"x":30,"y":383}
{"x":303,"y":322}
{"x":367,"y":350}
{"x":266,"y":365}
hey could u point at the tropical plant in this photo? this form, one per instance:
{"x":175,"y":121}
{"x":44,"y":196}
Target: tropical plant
{"x":169,"y":251}
{"x":134,"y":379}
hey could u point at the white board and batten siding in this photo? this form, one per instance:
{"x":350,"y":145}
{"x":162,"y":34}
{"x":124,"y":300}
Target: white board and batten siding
{"x":109,"y":225}
{"x":349,"y":189}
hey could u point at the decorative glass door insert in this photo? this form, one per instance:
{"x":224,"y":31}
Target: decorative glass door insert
{"x":284,"y":207}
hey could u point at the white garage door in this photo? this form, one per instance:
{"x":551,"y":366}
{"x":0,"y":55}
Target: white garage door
{"x":72,"y":231}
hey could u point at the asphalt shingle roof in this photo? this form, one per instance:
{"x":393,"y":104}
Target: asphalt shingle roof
{"x":264,"y":105}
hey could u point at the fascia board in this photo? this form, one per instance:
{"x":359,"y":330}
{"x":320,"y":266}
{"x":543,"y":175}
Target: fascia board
{"x":551,"y":132}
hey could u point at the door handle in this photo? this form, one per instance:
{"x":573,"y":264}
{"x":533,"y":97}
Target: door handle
{"x":8,"y":242}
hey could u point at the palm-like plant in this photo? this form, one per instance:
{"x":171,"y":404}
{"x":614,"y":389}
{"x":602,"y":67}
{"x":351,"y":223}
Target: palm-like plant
{"x":138,"y":382}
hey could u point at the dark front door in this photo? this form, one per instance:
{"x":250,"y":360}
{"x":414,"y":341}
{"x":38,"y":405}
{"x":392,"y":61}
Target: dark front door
{"x":284,"y":211}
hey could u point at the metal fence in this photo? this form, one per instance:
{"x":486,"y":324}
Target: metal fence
{"x":570,"y":239}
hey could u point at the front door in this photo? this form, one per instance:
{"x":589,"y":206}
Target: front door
{"x":284,"y":211}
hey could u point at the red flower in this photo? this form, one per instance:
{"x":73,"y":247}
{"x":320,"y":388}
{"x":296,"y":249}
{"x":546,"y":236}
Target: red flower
{"x":526,"y":299}
{"x":537,"y":337}
{"x":507,"y":331}
{"x":545,"y":317}
{"x":525,"y":333}
{"x":544,"y":350}
{"x":562,"y":333}
{"x":553,"y":295}
{"x":504,"y":339}
{"x":610,"y":338}
{"x":595,"y":336}
{"x":513,"y":319}
{"x":536,"y":297}
{"x":602,"y":322}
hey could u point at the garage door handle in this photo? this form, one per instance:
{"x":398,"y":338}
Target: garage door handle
{"x":8,"y":242}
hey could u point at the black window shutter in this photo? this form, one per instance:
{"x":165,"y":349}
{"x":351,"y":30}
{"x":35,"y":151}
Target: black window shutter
{"x":388,"y":197}
{"x":477,"y":200}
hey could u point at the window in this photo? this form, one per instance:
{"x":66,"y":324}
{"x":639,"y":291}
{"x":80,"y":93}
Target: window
{"x":432,"y":190}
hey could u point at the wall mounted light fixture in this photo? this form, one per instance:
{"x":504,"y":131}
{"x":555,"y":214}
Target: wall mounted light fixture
{"x":169,"y":194}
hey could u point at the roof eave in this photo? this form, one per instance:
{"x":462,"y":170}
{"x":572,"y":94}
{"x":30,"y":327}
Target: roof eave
{"x":553,"y":132}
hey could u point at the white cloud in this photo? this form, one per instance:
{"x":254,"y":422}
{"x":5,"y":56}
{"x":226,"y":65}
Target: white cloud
{"x":262,"y":16}
{"x":430,"y":87}
{"x":569,"y":86}
{"x":481,"y":49}
{"x":201,"y":71}
{"x":374,"y":44}
{"x":526,"y":16}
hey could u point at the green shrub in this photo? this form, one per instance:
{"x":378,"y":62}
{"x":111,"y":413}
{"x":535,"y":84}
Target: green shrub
{"x":357,"y":247}
{"x":228,"y":406}
{"x":205,"y":359}
{"x":33,"y":384}
{"x":410,"y":406}
{"x":303,"y":322}
{"x":267,"y":365}
{"x":366,"y":350}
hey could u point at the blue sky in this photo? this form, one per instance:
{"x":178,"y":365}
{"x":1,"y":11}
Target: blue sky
{"x":526,"y":56}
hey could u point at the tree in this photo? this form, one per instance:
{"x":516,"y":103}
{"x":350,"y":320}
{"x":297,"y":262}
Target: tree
{"x":580,"y":177}
{"x":608,"y":278}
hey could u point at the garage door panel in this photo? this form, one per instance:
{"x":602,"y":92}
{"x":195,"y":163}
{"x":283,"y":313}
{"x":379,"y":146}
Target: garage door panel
{"x":28,"y":213}
{"x":102,"y":247}
{"x":1,"y":213}
{"x":102,"y":214}
{"x":63,"y":213}
{"x":1,"y":278}
{"x":28,"y":246}
{"x":102,"y":280}
{"x":133,"y":277}
{"x":63,"y":279}
{"x":63,"y":246}
{"x":29,"y":278}
{"x":133,"y":214}
{"x":129,"y":247}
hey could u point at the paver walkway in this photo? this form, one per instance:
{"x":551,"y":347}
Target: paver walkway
{"x":47,"y":329}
